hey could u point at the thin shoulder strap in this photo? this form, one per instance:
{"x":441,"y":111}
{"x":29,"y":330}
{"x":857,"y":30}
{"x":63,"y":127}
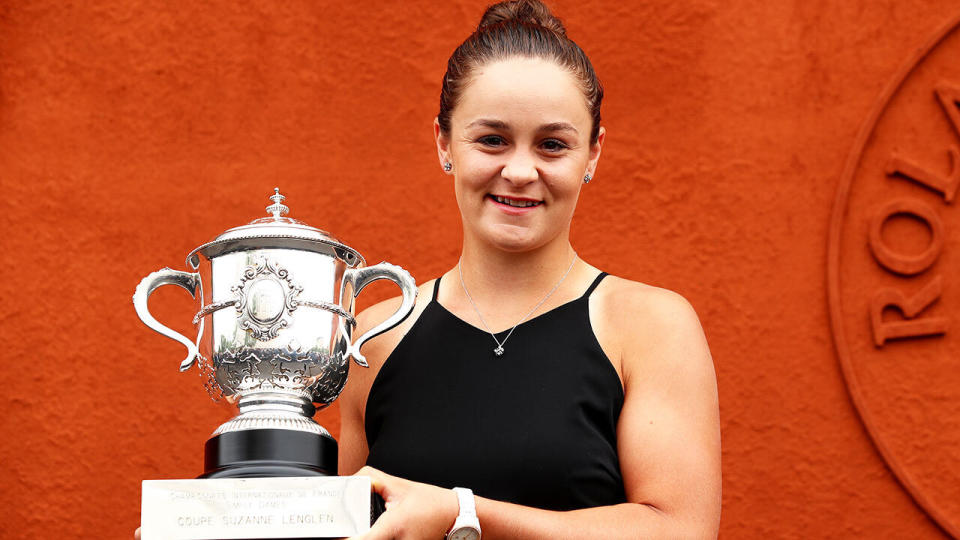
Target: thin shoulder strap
{"x":594,"y":284}
{"x":436,"y":288}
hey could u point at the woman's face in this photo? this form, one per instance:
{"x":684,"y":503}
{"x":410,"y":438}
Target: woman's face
{"x":519,"y":144}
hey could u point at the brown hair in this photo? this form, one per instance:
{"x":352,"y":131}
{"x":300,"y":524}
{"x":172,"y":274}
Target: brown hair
{"x":518,"y":28}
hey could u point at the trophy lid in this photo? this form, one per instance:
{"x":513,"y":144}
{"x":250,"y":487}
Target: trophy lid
{"x":276,"y":231}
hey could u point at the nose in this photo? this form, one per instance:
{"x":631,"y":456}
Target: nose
{"x":521,"y":168}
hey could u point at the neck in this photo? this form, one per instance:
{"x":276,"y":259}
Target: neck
{"x":505,"y":279}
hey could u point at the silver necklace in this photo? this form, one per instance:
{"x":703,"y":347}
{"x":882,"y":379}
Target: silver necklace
{"x":499,"y":350}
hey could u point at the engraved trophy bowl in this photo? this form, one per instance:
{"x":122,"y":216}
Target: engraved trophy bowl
{"x":278,"y":296}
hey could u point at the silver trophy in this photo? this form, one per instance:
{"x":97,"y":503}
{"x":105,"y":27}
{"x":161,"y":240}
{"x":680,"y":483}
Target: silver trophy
{"x":278,"y":297}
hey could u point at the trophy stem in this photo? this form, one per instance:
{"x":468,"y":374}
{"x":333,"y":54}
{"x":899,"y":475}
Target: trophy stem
{"x":276,"y":401}
{"x":273,"y":410}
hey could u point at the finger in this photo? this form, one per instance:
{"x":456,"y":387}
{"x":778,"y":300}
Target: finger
{"x":378,"y":479}
{"x":367,"y":470}
{"x":136,"y":534}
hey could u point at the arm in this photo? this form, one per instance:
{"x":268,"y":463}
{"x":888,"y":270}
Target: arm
{"x":668,"y":436}
{"x":353,"y":439}
{"x":418,"y":510}
{"x":353,"y":399}
{"x":668,"y":439}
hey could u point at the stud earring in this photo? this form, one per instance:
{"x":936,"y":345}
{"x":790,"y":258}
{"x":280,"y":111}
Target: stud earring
{"x":447,"y":166}
{"x":587,"y":178}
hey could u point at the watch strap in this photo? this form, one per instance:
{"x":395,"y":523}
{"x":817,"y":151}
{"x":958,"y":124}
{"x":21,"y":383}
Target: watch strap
{"x":467,"y":503}
{"x":467,"y":518}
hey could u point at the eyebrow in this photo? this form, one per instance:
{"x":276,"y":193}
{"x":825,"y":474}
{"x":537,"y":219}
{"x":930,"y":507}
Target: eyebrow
{"x":486,"y":122}
{"x":499,"y":124}
{"x":559,"y":126}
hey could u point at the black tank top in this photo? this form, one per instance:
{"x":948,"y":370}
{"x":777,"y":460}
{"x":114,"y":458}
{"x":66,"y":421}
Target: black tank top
{"x":536,"y":426}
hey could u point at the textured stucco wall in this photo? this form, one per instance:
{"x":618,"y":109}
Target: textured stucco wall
{"x":132,"y":132}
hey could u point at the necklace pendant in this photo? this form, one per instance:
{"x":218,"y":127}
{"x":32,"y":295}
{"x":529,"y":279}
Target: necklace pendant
{"x":499,"y":350}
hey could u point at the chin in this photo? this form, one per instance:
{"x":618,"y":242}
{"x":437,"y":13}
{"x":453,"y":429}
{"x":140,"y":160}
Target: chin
{"x":516,"y":244}
{"x":515,"y":239}
{"x":515,"y":247}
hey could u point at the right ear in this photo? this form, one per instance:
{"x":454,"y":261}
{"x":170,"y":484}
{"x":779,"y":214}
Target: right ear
{"x":443,"y":146}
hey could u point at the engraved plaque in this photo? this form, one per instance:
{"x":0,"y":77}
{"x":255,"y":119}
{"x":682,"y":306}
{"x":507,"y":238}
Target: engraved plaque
{"x":292,"y":507}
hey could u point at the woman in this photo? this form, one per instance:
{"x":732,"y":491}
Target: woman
{"x":573,"y":404}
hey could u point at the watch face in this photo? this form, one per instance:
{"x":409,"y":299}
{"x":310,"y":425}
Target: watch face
{"x":465,"y":533}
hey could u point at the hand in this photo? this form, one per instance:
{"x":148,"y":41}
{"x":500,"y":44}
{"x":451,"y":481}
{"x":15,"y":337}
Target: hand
{"x":414,"y":510}
{"x":136,"y":534}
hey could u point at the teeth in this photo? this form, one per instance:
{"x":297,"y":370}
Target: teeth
{"x":511,"y":202}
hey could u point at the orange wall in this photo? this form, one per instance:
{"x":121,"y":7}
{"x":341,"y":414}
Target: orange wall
{"x":132,"y":132}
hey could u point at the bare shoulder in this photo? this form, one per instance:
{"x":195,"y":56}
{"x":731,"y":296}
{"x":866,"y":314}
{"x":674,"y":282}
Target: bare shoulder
{"x":377,"y":313}
{"x":646,"y":326}
{"x":652,"y":304}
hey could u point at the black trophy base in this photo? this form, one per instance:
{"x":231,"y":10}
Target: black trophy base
{"x":257,"y":453}
{"x":264,"y":453}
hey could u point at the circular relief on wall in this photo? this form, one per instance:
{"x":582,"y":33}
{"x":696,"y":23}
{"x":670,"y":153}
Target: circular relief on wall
{"x":894,"y":276}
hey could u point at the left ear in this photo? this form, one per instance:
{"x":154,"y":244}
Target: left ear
{"x":595,"y":149}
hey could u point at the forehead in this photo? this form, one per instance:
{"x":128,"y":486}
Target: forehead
{"x":521,"y":90}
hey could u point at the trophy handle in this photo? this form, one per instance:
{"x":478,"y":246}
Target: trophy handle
{"x":187,"y":280}
{"x":360,"y":278}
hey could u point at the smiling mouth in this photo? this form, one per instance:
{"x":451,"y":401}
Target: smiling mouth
{"x":516,"y":203}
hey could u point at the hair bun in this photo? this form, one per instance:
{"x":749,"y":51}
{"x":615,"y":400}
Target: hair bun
{"x":523,"y":11}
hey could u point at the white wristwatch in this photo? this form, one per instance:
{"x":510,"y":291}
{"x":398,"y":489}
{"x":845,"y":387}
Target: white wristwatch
{"x":467,"y":526}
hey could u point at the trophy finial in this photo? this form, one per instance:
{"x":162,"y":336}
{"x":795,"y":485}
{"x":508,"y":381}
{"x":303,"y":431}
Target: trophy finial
{"x":277,"y":208}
